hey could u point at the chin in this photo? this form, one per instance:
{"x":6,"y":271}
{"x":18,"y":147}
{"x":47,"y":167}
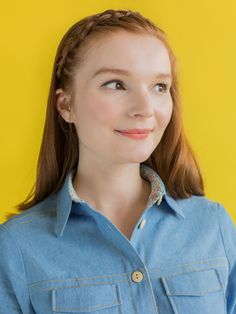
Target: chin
{"x":138,"y":158}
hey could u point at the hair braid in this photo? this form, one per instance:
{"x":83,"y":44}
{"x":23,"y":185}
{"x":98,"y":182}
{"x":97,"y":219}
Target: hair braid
{"x":80,"y":30}
{"x":173,"y":158}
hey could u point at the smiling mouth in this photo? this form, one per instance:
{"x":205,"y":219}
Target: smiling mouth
{"x":134,"y":135}
{"x":135,"y":131}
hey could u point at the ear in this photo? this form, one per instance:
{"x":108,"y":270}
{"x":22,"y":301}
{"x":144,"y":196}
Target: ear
{"x":63,"y":103}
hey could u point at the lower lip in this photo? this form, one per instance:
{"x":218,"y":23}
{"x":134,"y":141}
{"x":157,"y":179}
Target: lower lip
{"x":134,"y":135}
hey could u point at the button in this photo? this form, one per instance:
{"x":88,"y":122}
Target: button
{"x":142,"y":223}
{"x":160,"y":196}
{"x":137,"y":276}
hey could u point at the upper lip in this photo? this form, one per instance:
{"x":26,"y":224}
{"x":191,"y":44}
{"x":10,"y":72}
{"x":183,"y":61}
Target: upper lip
{"x":133,"y":131}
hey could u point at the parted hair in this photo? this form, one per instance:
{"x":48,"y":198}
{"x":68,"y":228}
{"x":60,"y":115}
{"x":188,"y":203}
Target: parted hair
{"x":173,"y":158}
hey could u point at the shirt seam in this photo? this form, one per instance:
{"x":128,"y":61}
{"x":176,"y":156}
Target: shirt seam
{"x":22,"y":260}
{"x":221,"y":234}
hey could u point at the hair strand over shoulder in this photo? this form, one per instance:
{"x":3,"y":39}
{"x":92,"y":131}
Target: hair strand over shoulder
{"x":173,"y":159}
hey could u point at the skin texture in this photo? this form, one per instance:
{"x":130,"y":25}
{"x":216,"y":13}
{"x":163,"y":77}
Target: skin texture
{"x":108,"y":174}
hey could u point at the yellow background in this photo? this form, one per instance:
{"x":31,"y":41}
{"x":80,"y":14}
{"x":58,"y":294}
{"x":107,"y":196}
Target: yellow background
{"x":203,"y":36}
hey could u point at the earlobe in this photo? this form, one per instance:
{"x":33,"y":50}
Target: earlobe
{"x":63,"y":105}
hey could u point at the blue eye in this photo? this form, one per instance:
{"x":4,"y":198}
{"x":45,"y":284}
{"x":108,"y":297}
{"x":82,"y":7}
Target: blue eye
{"x":117,"y":83}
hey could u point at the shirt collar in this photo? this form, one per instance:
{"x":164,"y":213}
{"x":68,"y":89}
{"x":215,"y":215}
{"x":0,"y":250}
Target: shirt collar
{"x":67,"y":194}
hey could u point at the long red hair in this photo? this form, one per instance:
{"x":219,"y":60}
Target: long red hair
{"x":173,"y":159}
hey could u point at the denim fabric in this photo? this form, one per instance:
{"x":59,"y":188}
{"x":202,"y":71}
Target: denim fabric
{"x":63,"y":256}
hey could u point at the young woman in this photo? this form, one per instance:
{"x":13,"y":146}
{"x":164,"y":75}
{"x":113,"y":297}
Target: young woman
{"x":118,"y":221}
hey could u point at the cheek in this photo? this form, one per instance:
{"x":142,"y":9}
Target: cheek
{"x":102,"y":111}
{"x":164,"y":112}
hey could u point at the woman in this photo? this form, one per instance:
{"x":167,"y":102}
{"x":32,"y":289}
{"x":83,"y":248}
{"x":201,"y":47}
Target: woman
{"x":118,"y":222}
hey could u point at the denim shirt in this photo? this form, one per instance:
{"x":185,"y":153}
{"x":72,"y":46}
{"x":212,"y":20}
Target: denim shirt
{"x":63,"y":256}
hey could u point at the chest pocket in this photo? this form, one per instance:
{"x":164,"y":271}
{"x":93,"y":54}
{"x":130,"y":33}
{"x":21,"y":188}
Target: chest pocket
{"x":195,"y":292}
{"x":102,"y":299}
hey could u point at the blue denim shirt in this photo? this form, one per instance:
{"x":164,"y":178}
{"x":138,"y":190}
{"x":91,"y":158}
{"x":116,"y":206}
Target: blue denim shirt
{"x":63,"y":256}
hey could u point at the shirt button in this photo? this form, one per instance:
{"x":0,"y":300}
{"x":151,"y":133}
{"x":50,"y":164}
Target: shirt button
{"x":142,"y":223}
{"x":137,"y":276}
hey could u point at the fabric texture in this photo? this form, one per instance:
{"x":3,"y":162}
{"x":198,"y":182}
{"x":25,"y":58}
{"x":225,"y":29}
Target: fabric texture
{"x":63,"y":256}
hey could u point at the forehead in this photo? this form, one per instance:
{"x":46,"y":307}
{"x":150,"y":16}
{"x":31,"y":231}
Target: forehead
{"x":137,"y":52}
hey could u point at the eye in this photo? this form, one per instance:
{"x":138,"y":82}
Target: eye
{"x":116,"y":83}
{"x":163,"y":87}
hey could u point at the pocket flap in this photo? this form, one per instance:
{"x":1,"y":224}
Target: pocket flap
{"x":197,"y":283}
{"x":84,"y":298}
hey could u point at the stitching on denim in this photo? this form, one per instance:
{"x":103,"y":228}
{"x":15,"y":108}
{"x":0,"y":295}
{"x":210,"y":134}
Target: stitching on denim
{"x":127,"y":275}
{"x":17,"y":219}
{"x":53,"y":300}
{"x":221,"y":234}
{"x":98,"y":306}
{"x":186,"y":272}
{"x":216,"y":272}
{"x":224,"y":294}
{"x":142,"y":244}
{"x":152,"y":297}
{"x":57,"y":309}
{"x":118,"y":298}
{"x":17,"y":244}
{"x":82,"y":285}
{"x":198,"y":293}
{"x":168,"y":296}
{"x":25,"y":222}
{"x":129,"y":289}
{"x":104,"y":305}
{"x":193,"y":263}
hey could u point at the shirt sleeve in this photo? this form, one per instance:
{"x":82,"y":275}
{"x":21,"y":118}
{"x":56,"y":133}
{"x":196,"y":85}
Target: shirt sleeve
{"x":14,"y":296}
{"x":228,"y":233}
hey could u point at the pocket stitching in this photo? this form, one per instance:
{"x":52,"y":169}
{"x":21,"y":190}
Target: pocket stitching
{"x":95,"y":307}
{"x":197,"y":293}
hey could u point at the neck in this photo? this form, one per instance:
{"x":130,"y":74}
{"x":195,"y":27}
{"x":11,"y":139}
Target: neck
{"x":109,"y":189}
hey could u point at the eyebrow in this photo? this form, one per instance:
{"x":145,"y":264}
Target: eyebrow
{"x":126,"y":73}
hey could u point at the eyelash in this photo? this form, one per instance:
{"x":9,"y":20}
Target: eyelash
{"x":121,"y":83}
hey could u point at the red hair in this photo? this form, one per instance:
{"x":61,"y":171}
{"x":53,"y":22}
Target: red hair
{"x":173,"y":159}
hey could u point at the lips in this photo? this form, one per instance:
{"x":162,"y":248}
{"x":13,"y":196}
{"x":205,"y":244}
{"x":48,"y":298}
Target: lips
{"x":135,"y":131}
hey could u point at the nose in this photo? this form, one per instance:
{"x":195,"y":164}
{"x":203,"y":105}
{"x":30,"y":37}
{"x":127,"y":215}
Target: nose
{"x":141,"y":104}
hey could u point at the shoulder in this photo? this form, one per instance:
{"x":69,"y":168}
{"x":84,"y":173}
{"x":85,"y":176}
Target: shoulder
{"x":196,"y":201}
{"x":205,"y":212}
{"x":29,"y":223}
{"x":211,"y":214}
{"x":201,"y":205}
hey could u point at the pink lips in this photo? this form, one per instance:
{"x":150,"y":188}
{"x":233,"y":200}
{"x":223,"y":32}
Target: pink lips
{"x":136,"y":131}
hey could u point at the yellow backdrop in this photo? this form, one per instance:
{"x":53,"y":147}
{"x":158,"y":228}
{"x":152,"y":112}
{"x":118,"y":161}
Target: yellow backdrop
{"x":202,"y":34}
